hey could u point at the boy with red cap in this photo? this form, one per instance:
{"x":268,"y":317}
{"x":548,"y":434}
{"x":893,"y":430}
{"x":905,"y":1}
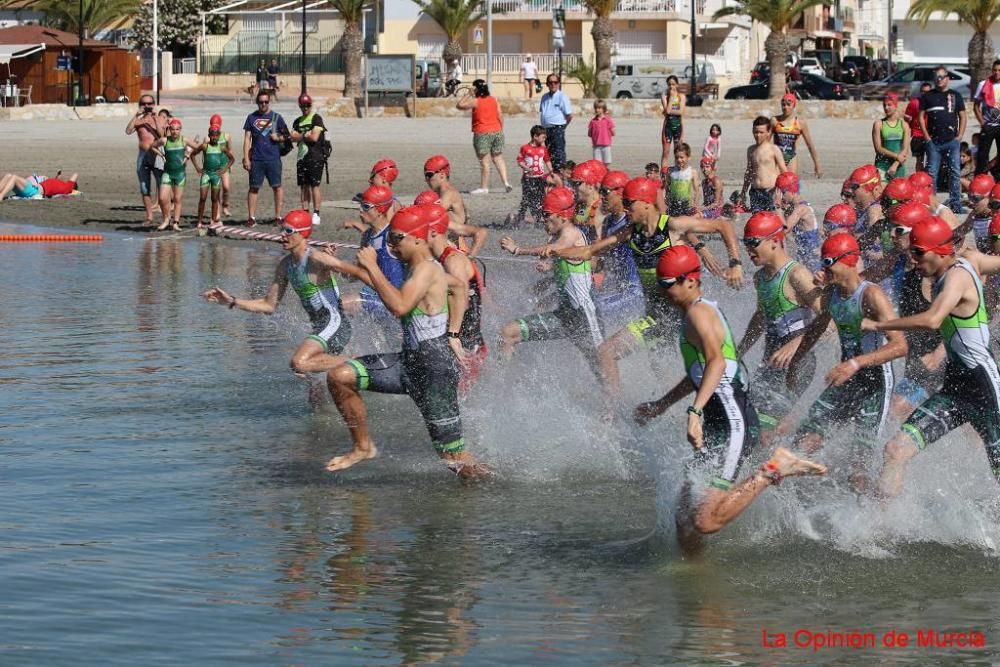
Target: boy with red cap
{"x":576,"y":316}
{"x":648,"y":237}
{"x":839,"y":218}
{"x":721,"y":422}
{"x":437,"y":174}
{"x":787,"y":127}
{"x":980,"y":214}
{"x":310,"y":274}
{"x":800,"y":220}
{"x":787,"y":301}
{"x":216,"y":164}
{"x":866,"y":189}
{"x":971,"y":389}
{"x":429,"y":304}
{"x":467,"y":341}
{"x":309,"y":132}
{"x":375,"y":207}
{"x":859,"y":388}
{"x":765,"y":162}
{"x":891,"y":137}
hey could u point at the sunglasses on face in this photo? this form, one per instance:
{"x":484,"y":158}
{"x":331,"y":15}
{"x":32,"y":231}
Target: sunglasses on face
{"x":830,"y":261}
{"x":429,"y":175}
{"x":977,"y":198}
{"x":627,"y":203}
{"x":995,"y":204}
{"x":900,"y":230}
{"x":667,"y":283}
{"x":755,"y":242}
{"x":917,"y":252}
{"x":551,"y":83}
{"x":939,"y":77}
{"x":260,"y":102}
{"x":395,"y":238}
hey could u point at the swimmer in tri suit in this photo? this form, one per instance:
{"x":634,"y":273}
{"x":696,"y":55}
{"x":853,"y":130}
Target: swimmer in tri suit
{"x":800,"y":220}
{"x":375,"y":203}
{"x":175,"y":150}
{"x":673,"y":103}
{"x":721,"y":421}
{"x":437,"y":172}
{"x":764,"y":164}
{"x":217,"y":162}
{"x":971,"y":389}
{"x":978,"y":220}
{"x":310,"y":273}
{"x":587,"y":177}
{"x":429,"y":304}
{"x":787,"y":127}
{"x":859,"y":388}
{"x":467,"y":341}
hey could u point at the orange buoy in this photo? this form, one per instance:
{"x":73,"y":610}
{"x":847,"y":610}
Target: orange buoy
{"x":51,"y":238}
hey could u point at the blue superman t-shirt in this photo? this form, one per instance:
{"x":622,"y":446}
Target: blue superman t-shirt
{"x":261,"y":125}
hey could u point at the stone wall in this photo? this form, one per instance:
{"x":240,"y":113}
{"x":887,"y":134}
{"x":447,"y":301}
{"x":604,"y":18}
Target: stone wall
{"x":63,"y":112}
{"x":726,"y":109}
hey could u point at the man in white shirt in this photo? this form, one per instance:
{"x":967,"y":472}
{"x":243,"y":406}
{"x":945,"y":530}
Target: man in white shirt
{"x":529,"y":73}
{"x":453,"y":77}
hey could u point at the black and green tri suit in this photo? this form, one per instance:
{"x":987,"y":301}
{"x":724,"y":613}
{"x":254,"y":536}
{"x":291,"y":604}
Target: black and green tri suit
{"x":322,"y":304}
{"x":784,"y":320}
{"x":659,"y":325}
{"x":863,"y":401}
{"x":971,"y":389}
{"x":730,"y":427}
{"x":426,"y":370}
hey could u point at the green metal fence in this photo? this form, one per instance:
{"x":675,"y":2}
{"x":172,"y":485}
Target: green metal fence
{"x":244,"y":52}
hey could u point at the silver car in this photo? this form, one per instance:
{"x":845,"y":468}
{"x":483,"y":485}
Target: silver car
{"x":811,"y":66}
{"x":907,"y":81}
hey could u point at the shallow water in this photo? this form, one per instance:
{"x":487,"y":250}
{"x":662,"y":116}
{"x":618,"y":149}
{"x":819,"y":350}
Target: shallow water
{"x":163,"y":502}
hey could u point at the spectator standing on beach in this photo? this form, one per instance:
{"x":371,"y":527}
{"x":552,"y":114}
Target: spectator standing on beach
{"x":272,"y":77}
{"x":918,"y":142}
{"x":148,"y":127}
{"x":308,"y":131}
{"x":986,"y":105}
{"x":529,"y":74}
{"x":487,"y":134}
{"x":261,"y":76}
{"x":601,"y":131}
{"x":942,"y":119}
{"x":556,"y":113}
{"x":263,"y":131}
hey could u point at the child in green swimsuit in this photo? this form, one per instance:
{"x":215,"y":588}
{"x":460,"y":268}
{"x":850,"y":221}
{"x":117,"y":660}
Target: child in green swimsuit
{"x":175,"y":150}
{"x":217,"y":161}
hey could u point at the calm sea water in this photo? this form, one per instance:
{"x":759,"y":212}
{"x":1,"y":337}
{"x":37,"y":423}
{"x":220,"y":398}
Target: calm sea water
{"x":162,"y":501}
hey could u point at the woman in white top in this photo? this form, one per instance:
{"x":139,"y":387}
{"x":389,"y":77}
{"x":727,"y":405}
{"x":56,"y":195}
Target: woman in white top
{"x":529,"y":73}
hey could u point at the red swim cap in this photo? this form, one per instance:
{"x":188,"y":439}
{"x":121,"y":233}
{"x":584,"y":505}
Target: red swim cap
{"x":841,"y":215}
{"x":436,"y":163}
{"x":787,"y":181}
{"x":411,"y":221}
{"x":842,"y":248}
{"x":922,"y":196}
{"x":299,"y":220}
{"x":891,"y":97}
{"x":436,"y":217}
{"x":995,"y":192}
{"x":305,"y":100}
{"x":615,"y":180}
{"x":215,"y":121}
{"x":379,"y":195}
{"x":981,"y":185}
{"x":560,"y":201}
{"x":933,"y":235}
{"x":921,"y":179}
{"x":764,"y":225}
{"x":428,"y":197}
{"x":175,"y":122}
{"x":995,"y":224}
{"x":899,"y":189}
{"x":909,"y":214}
{"x":677,"y":261}
{"x":790,"y":97}
{"x":387,"y":168}
{"x":866,"y":177}
{"x":641,"y":189}
{"x":586,"y":172}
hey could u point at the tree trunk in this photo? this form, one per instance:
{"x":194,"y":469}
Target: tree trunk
{"x":353,"y":46}
{"x":452,"y":51}
{"x":603,"y":33}
{"x":980,"y":59}
{"x":776,"y":48}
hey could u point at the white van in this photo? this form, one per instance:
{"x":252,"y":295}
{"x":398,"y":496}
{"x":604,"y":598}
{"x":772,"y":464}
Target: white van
{"x":648,"y":79}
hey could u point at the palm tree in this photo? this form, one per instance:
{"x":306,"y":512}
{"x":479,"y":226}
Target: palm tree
{"x":778,"y":15}
{"x":979,"y":15}
{"x":455,"y":17}
{"x":603,"y":34}
{"x":352,"y":43}
{"x":97,"y":14}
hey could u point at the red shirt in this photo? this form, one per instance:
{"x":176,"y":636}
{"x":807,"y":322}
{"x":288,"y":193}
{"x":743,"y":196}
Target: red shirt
{"x":486,"y":116}
{"x":533,"y":158}
{"x":56,"y":186}
{"x":912,"y":116}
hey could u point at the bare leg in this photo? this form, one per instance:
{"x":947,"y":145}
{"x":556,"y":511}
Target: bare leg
{"x":215,"y":205}
{"x":304,"y":197}
{"x":252,"y":196}
{"x":719,"y":507}
{"x":225,"y":194}
{"x":7,"y":184}
{"x":317,"y":198}
{"x":610,"y":351}
{"x":310,"y":358}
{"x":279,"y":201}
{"x":509,"y":337}
{"x":501,"y":169}
{"x":164,"y":207}
{"x":484,"y":172}
{"x":898,"y":452}
{"x":202,"y":200}
{"x":178,"y":191}
{"x":342,"y":383}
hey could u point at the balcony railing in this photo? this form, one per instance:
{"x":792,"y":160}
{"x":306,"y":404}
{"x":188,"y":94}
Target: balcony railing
{"x":510,"y":63}
{"x":623,"y":6}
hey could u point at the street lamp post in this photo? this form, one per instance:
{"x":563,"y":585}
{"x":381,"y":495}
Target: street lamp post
{"x":79,"y":59}
{"x":303,"y":47}
{"x":693,"y":85}
{"x":156,"y":50}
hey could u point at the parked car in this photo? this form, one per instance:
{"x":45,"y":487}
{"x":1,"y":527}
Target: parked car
{"x":818,"y":87}
{"x":428,"y":74}
{"x":647,"y":79}
{"x":832,"y":65}
{"x":906,"y":82}
{"x":760,"y":71}
{"x":753,"y":91}
{"x":811,"y":66}
{"x":865,"y":67}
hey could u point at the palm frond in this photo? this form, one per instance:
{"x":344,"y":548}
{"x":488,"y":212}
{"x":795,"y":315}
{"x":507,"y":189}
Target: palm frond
{"x":454,"y":16}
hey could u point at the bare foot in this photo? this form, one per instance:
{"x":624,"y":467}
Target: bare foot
{"x":163,"y":227}
{"x":347,"y":460}
{"x":788,"y":464}
{"x":470,"y":471}
{"x":176,"y":227}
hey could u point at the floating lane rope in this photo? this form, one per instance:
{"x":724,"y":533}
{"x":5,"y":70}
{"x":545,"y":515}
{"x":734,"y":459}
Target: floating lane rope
{"x":51,"y":238}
